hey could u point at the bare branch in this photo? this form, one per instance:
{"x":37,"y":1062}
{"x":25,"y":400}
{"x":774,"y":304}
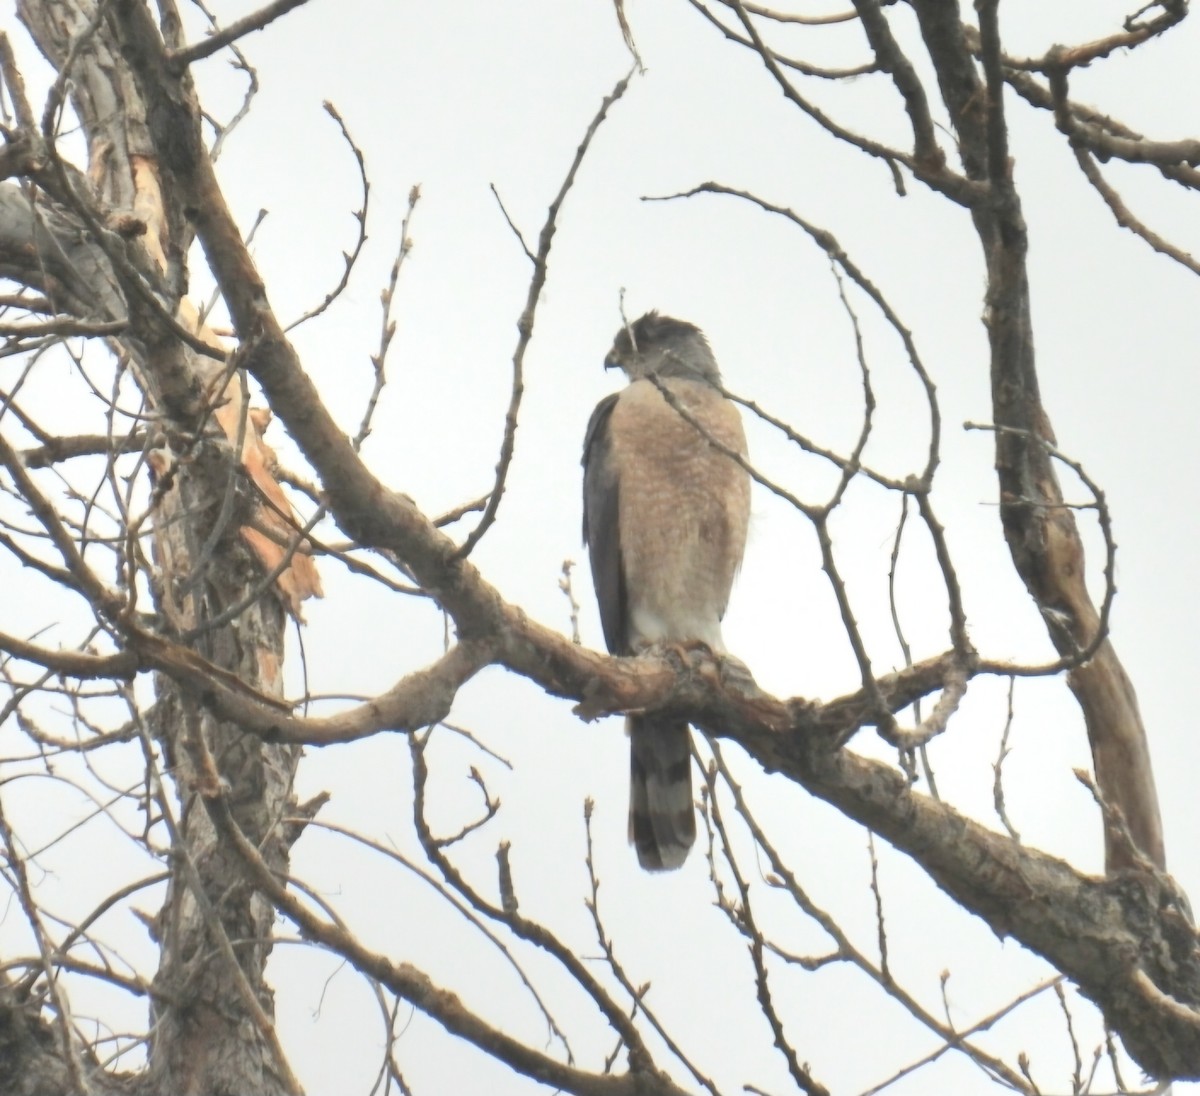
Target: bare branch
{"x":178,"y":60}
{"x":350,"y":258}
{"x":525,"y":323}
{"x":804,"y":67}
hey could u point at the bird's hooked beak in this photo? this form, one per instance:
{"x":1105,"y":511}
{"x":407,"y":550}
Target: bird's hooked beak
{"x":611,"y":363}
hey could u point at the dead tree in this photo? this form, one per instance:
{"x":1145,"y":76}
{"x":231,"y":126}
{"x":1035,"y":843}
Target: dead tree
{"x":179,"y":558}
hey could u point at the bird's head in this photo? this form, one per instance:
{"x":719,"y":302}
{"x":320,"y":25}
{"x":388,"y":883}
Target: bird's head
{"x":664,"y":346}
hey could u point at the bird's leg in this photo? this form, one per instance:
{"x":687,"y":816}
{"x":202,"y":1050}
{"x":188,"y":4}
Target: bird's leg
{"x":731,"y":669}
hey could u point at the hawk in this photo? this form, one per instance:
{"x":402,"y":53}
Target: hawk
{"x":665,"y":514}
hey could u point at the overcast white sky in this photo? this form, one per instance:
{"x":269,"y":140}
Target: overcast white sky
{"x":455,"y":97}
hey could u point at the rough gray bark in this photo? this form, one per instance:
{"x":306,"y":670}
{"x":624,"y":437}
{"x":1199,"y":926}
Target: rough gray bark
{"x":210,"y":1021}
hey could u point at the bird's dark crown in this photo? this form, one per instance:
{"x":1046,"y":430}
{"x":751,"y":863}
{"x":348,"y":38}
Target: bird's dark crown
{"x":664,"y":346}
{"x":650,"y":329}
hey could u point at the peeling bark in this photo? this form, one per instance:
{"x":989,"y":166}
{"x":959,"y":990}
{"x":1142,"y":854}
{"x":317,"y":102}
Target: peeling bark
{"x":208,"y":1033}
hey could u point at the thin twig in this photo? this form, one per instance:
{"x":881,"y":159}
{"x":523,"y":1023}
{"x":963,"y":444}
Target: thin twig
{"x":821,"y":72}
{"x":58,"y":994}
{"x":1104,"y":519}
{"x":637,"y":994}
{"x":997,"y":779}
{"x":741,"y":915}
{"x":785,"y":878}
{"x":525,"y":324}
{"x":350,"y":258}
{"x":387,"y":326}
{"x":178,"y":60}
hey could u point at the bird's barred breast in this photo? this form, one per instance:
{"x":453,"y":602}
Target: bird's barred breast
{"x":684,"y":508}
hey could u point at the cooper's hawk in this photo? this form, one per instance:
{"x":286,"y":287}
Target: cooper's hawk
{"x":664,"y":517}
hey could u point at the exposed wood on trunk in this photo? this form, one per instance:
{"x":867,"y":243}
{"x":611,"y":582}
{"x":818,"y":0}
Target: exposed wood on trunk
{"x":205,"y":1039}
